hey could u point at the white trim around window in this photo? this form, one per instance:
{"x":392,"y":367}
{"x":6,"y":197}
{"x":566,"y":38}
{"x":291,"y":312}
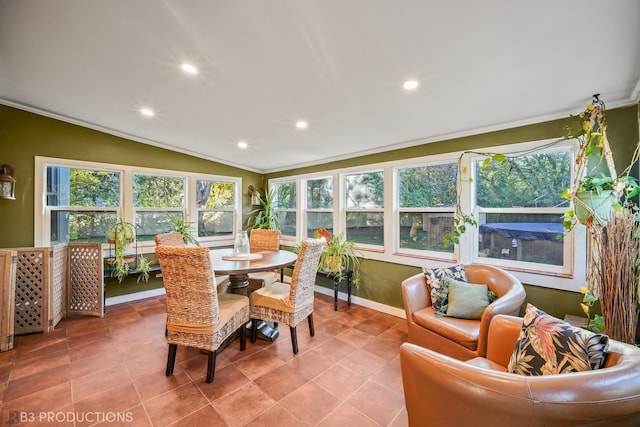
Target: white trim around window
{"x":125,"y":209}
{"x":569,"y":277}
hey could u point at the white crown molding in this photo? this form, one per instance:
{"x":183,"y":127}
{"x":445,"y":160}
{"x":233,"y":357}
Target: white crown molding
{"x":454,"y":135}
{"x":119,"y":134}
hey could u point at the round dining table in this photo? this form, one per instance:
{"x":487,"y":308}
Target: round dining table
{"x":238,"y":268}
{"x":223,"y":262}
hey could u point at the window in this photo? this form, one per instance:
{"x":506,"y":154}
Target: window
{"x":285,"y":206}
{"x":364,"y":203}
{"x":158,"y":200}
{"x":400,"y":211}
{"x":520,"y":208}
{"x":426,"y":204}
{"x":319,"y":212}
{"x":215,"y":203}
{"x":82,"y":203}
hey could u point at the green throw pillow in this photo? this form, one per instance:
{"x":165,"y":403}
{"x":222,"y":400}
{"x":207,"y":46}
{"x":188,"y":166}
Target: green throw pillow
{"x":435,"y":283}
{"x":466,"y":300}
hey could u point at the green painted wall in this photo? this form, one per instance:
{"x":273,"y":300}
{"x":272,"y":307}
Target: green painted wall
{"x":381,"y":280}
{"x":24,"y":135}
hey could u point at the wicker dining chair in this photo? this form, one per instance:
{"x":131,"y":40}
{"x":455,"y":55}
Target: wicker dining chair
{"x":169,"y":239}
{"x":175,"y":239}
{"x":290,"y":303}
{"x":264,"y":240}
{"x":196,"y":315}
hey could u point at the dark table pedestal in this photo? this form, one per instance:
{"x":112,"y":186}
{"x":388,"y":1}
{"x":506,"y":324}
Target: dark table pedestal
{"x":242,"y":286}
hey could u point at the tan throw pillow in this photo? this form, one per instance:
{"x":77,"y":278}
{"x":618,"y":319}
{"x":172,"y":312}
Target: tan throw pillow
{"x":466,"y":300}
{"x":548,"y":345}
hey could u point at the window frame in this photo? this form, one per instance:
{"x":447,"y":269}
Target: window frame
{"x":567,"y":268}
{"x":307,"y":210}
{"x":398,"y":211}
{"x":296,"y":183}
{"x":182,"y":209}
{"x":126,"y":210}
{"x":571,"y":278}
{"x":344,"y":210}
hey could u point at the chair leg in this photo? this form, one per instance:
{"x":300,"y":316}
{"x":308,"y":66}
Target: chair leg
{"x":171,"y":359}
{"x":294,"y":339}
{"x":211,"y":366}
{"x":312,"y":331}
{"x":254,"y":330}
{"x":243,"y":337}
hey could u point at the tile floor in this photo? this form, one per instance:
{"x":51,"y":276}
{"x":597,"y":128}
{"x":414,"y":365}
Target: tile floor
{"x":110,"y":371}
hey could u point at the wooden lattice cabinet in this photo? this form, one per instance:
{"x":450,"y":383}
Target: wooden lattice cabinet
{"x":85,"y":279}
{"x":8,"y":261}
{"x":39,"y":288}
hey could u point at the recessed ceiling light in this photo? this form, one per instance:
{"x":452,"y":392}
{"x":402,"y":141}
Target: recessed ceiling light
{"x":188,"y":68}
{"x":147,"y":112}
{"x":300,"y":124}
{"x":242,"y":145}
{"x":410,"y":84}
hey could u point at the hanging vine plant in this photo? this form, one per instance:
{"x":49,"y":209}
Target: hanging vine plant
{"x":594,"y":194}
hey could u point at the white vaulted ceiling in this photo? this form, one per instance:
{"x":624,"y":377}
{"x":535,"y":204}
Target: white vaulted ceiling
{"x":339,"y":65}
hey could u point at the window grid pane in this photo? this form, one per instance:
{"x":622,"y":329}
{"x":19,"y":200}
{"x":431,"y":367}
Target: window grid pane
{"x":158,"y":191}
{"x":427,"y":186}
{"x":425,"y":231}
{"x":365,"y":190}
{"x":535,"y":238}
{"x":365,"y":227}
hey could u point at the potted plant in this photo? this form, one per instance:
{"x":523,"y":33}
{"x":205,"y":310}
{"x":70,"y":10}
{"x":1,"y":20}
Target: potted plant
{"x":120,"y":235}
{"x":339,"y":256}
{"x":265,"y":216}
{"x":179,"y":225}
{"x":613,"y":228}
{"x":594,"y":199}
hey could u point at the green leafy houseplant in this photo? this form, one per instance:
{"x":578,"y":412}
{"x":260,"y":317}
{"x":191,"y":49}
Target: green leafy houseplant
{"x":265,"y":216}
{"x":340,"y":255}
{"x":588,"y":300}
{"x":594,"y":194}
{"x":120,"y":235}
{"x":179,"y":225}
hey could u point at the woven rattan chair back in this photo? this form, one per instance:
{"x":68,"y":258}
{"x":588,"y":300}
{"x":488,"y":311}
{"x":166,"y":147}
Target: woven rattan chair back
{"x":290,"y":304}
{"x":194,"y":309}
{"x":303,"y":279}
{"x":264,"y":240}
{"x":169,"y":239}
{"x":191,"y":294}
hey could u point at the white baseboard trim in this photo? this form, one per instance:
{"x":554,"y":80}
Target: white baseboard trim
{"x":133,"y":297}
{"x":342,"y":296}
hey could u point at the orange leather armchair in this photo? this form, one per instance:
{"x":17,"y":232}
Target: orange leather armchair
{"x":443,"y":391}
{"x":459,"y":338}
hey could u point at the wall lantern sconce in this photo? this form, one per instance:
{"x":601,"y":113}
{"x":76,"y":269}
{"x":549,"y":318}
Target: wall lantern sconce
{"x":7,"y":182}
{"x":255,"y":196}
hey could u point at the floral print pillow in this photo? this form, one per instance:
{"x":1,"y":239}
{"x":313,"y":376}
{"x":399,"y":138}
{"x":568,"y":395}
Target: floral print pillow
{"x":435,"y":277}
{"x":548,"y":345}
